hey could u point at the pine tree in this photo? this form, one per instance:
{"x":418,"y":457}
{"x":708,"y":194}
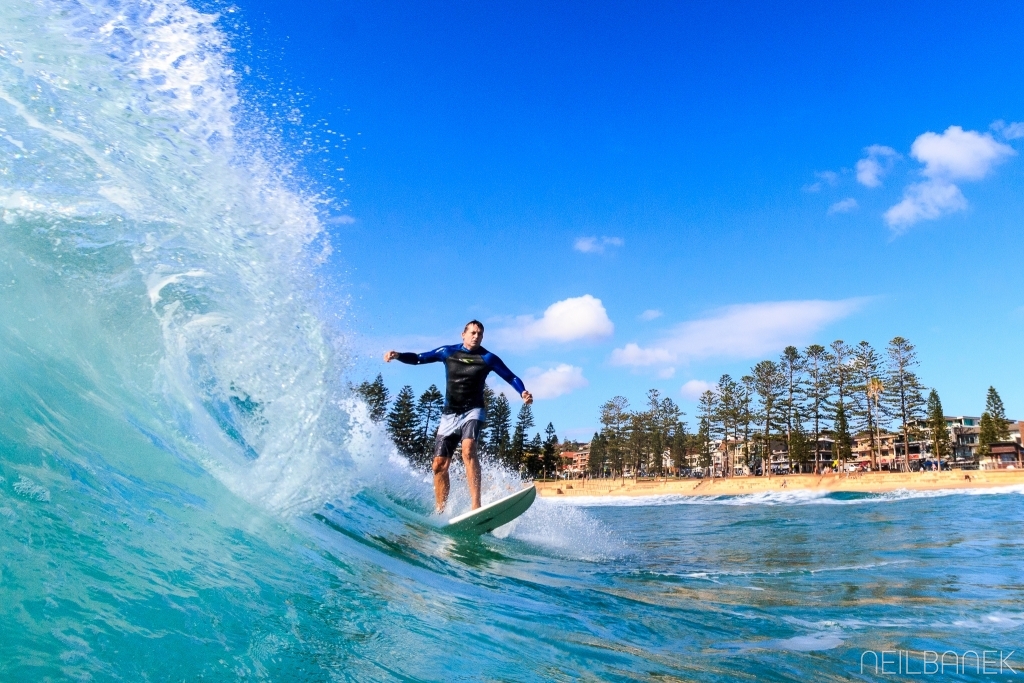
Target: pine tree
{"x":941,"y":444}
{"x":791,"y":366}
{"x":843,"y":440}
{"x":987,"y":434}
{"x":769,"y":383}
{"x":800,"y":451}
{"x":483,"y":442}
{"x":598,"y":455}
{"x":707,"y":406}
{"x":994,"y":407}
{"x":403,"y":424}
{"x":550,"y":456}
{"x":816,"y":362}
{"x":704,"y":445}
{"x":637,"y":440}
{"x":866,"y":389}
{"x":727,"y":415}
{"x":679,"y":445}
{"x":533,"y":456}
{"x":428,"y":411}
{"x":523,"y":422}
{"x":614,"y":419}
{"x":499,"y":420}
{"x":746,"y":416}
{"x":841,"y":375}
{"x":903,"y":396}
{"x":376,"y":396}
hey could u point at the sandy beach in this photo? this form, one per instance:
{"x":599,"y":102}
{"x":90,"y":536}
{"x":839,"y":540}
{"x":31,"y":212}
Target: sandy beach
{"x":866,"y":482}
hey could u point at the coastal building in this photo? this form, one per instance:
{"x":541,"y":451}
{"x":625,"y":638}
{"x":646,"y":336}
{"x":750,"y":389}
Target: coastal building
{"x":964,"y":435}
{"x":883,"y":444}
{"x":575,"y":464}
{"x":1003,"y":455}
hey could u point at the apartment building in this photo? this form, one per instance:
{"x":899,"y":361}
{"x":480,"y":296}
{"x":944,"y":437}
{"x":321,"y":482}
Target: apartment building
{"x":576,"y":464}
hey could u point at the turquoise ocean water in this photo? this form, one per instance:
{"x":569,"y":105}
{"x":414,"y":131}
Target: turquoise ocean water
{"x":187,"y":491}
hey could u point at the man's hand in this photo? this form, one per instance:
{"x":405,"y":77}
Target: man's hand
{"x":390,"y":356}
{"x":527,"y":397}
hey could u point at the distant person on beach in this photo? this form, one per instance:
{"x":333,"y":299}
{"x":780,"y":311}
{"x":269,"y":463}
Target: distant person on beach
{"x":466,"y":368}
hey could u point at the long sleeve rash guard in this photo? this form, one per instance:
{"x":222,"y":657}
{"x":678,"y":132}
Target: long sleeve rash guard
{"x":465,"y":372}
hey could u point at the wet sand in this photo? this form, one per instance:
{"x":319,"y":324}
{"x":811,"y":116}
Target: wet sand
{"x":864,"y":482}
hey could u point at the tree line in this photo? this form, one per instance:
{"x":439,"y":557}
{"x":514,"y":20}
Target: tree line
{"x":412,"y":422}
{"x":798,"y":402}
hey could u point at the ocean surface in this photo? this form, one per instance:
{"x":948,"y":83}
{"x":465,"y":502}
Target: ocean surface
{"x":188,"y":490}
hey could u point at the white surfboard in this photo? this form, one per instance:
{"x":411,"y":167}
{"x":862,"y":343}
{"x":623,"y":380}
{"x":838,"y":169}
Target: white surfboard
{"x":491,"y":516}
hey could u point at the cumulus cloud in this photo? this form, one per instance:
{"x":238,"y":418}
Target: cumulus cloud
{"x":545,"y":384}
{"x":558,"y":381}
{"x":574,"y":319}
{"x":694,"y":388}
{"x":650,"y":314}
{"x":875,"y":164}
{"x":1009,"y":131}
{"x":596,"y":245}
{"x":925,"y":201}
{"x":824,"y":178}
{"x":958,"y":154}
{"x":954,"y":155}
{"x":843,"y":206}
{"x":741,"y":331}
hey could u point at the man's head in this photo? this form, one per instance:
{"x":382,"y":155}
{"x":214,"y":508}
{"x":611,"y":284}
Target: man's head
{"x":472,"y":334}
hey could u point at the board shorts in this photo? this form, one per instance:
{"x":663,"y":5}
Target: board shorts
{"x":454,"y":429}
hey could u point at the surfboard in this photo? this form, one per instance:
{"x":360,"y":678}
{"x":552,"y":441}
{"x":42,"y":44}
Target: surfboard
{"x":491,"y":516}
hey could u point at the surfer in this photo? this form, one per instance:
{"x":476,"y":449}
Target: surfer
{"x":466,"y":368}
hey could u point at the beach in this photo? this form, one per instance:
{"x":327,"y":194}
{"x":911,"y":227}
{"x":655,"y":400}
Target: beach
{"x":856,"y":482}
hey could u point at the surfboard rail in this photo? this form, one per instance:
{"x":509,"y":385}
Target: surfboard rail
{"x":493,"y":515}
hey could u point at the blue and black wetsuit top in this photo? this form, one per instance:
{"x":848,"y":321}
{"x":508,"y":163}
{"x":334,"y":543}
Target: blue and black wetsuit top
{"x":466,"y":371}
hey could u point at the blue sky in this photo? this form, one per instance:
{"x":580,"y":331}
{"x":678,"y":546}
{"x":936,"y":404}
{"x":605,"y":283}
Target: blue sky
{"x":690,"y":186}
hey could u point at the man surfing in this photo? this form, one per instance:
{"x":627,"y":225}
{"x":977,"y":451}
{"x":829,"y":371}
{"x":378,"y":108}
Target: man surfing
{"x":466,"y":368}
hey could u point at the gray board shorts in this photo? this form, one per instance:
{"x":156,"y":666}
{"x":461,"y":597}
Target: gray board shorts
{"x":454,"y":429}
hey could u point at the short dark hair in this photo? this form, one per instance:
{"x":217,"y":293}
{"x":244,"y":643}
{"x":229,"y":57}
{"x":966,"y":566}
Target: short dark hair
{"x":474,"y":322}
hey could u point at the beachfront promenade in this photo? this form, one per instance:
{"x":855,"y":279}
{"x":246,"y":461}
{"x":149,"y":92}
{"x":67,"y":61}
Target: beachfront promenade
{"x":864,"y":482}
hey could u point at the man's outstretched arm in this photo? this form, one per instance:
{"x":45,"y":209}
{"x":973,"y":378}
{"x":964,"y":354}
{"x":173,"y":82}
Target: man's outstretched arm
{"x":434,"y":356}
{"x":499,"y":367}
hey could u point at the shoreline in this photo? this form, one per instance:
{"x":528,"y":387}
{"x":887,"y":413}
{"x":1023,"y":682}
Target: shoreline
{"x":863,"y":482}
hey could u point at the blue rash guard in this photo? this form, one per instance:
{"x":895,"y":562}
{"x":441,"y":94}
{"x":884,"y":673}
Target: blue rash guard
{"x":465,"y":372}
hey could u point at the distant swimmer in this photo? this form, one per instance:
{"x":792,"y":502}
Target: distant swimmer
{"x":466,"y":368}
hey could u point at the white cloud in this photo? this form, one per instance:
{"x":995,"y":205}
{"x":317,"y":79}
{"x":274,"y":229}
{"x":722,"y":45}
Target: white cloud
{"x":545,"y":384}
{"x":876,"y":164}
{"x":843,"y":206}
{"x":694,"y":388}
{"x":958,"y":154}
{"x":953,"y":155}
{"x":650,"y":314}
{"x":830,"y":178}
{"x":596,"y":245}
{"x":1009,"y":131}
{"x":925,"y":201}
{"x":632,"y":354}
{"x":558,"y":381}
{"x":741,"y":331}
{"x":667,"y":373}
{"x":340,"y":220}
{"x":573,"y":319}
